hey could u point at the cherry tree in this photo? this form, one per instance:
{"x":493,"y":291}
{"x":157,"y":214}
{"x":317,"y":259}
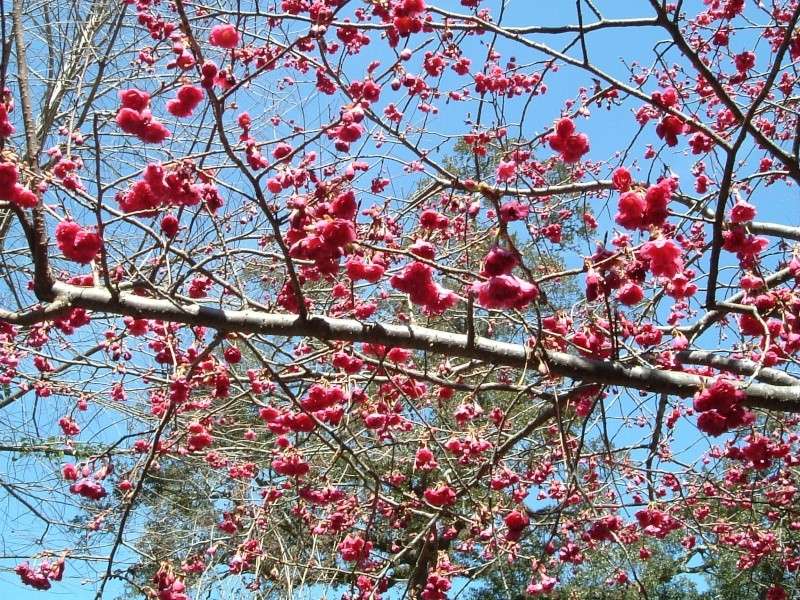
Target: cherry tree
{"x":375,"y":298}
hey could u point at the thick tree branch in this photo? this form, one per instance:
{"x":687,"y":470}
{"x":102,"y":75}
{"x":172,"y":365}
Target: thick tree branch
{"x":418,"y":338}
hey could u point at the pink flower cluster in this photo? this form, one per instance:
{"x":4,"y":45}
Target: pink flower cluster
{"x":6,"y":128}
{"x":349,"y":129}
{"x":160,"y":187}
{"x":424,"y":460}
{"x":441,"y":495}
{"x":186,"y":100}
{"x":664,"y":256}
{"x":416,"y":280}
{"x":669,"y":128}
{"x":88,"y":488}
{"x":320,"y":397}
{"x":329,"y":241}
{"x":603,"y":529}
{"x":572,"y":146}
{"x":657,"y":523}
{"x":41,"y":576}
{"x":502,"y":290}
{"x":11,"y":190}
{"x":358,"y":270}
{"x":224,"y":36}
{"x":516,"y":521}
{"x":720,"y":408}
{"x":637,"y":211}
{"x":438,"y":582}
{"x":77,"y":243}
{"x":169,"y":586}
{"x":134,"y":117}
{"x":290,"y":465}
{"x":199,"y":437}
{"x":407,"y":16}
{"x":353,"y":548}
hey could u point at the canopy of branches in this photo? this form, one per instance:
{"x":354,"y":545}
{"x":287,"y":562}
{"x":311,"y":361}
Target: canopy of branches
{"x":400,"y":298}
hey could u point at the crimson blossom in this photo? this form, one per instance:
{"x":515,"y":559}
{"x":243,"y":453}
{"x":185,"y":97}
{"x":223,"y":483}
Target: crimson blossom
{"x":400,"y":298}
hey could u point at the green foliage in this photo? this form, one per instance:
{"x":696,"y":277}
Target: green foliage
{"x":661,"y":577}
{"x":730,"y":582}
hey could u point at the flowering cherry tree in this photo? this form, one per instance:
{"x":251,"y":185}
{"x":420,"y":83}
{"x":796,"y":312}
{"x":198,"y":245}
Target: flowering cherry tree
{"x":376,"y":298}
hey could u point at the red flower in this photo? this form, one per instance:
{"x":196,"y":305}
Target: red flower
{"x":199,"y":437}
{"x":745,"y":61}
{"x":170,"y":225}
{"x":349,"y":132}
{"x":621,"y":178}
{"x":749,"y":325}
{"x":153,"y":132}
{"x":657,"y":198}
{"x":506,"y":171}
{"x":505,"y":291}
{"x":142,"y":125}
{"x":416,"y":280}
{"x":13,"y":191}
{"x":665,"y":257}
{"x":736,"y":239}
{"x":281,"y":151}
{"x":516,"y":521}
{"x":344,"y":205}
{"x":23,"y":197}
{"x":430,"y":219}
{"x":630,"y":211}
{"x":291,"y":465}
{"x":743,"y":212}
{"x":88,"y":489}
{"x":320,"y":397}
{"x":648,"y":335}
{"x":187,"y":99}
{"x":9,"y":175}
{"x":337,"y":232}
{"x":423,"y":249}
{"x":630,"y":294}
{"x":499,"y":262}
{"x":413,"y":7}
{"x":69,"y":472}
{"x":6,"y":128}
{"x":700,"y":143}
{"x":713,"y":423}
{"x":69,"y":426}
{"x":513,"y":211}
{"x":357,"y":269}
{"x":134,"y":99}
{"x":352,"y":548}
{"x":76,"y":243}
{"x":232,"y":355}
{"x":776,"y":592}
{"x":425,"y":460}
{"x":441,"y":495}
{"x":656,"y":523}
{"x":565,"y":141}
{"x":665,"y":99}
{"x":224,"y":36}
{"x":130,"y":120}
{"x":720,"y":408}
{"x":669,"y":128}
{"x":209,"y":71}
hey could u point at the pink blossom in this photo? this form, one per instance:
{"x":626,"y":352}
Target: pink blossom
{"x":664,"y":256}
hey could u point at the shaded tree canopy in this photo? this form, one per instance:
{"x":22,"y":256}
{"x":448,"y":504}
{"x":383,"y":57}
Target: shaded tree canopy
{"x":400,"y":298}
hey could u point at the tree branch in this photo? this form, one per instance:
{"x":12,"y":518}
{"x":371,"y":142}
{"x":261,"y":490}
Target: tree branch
{"x":772,"y":397}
